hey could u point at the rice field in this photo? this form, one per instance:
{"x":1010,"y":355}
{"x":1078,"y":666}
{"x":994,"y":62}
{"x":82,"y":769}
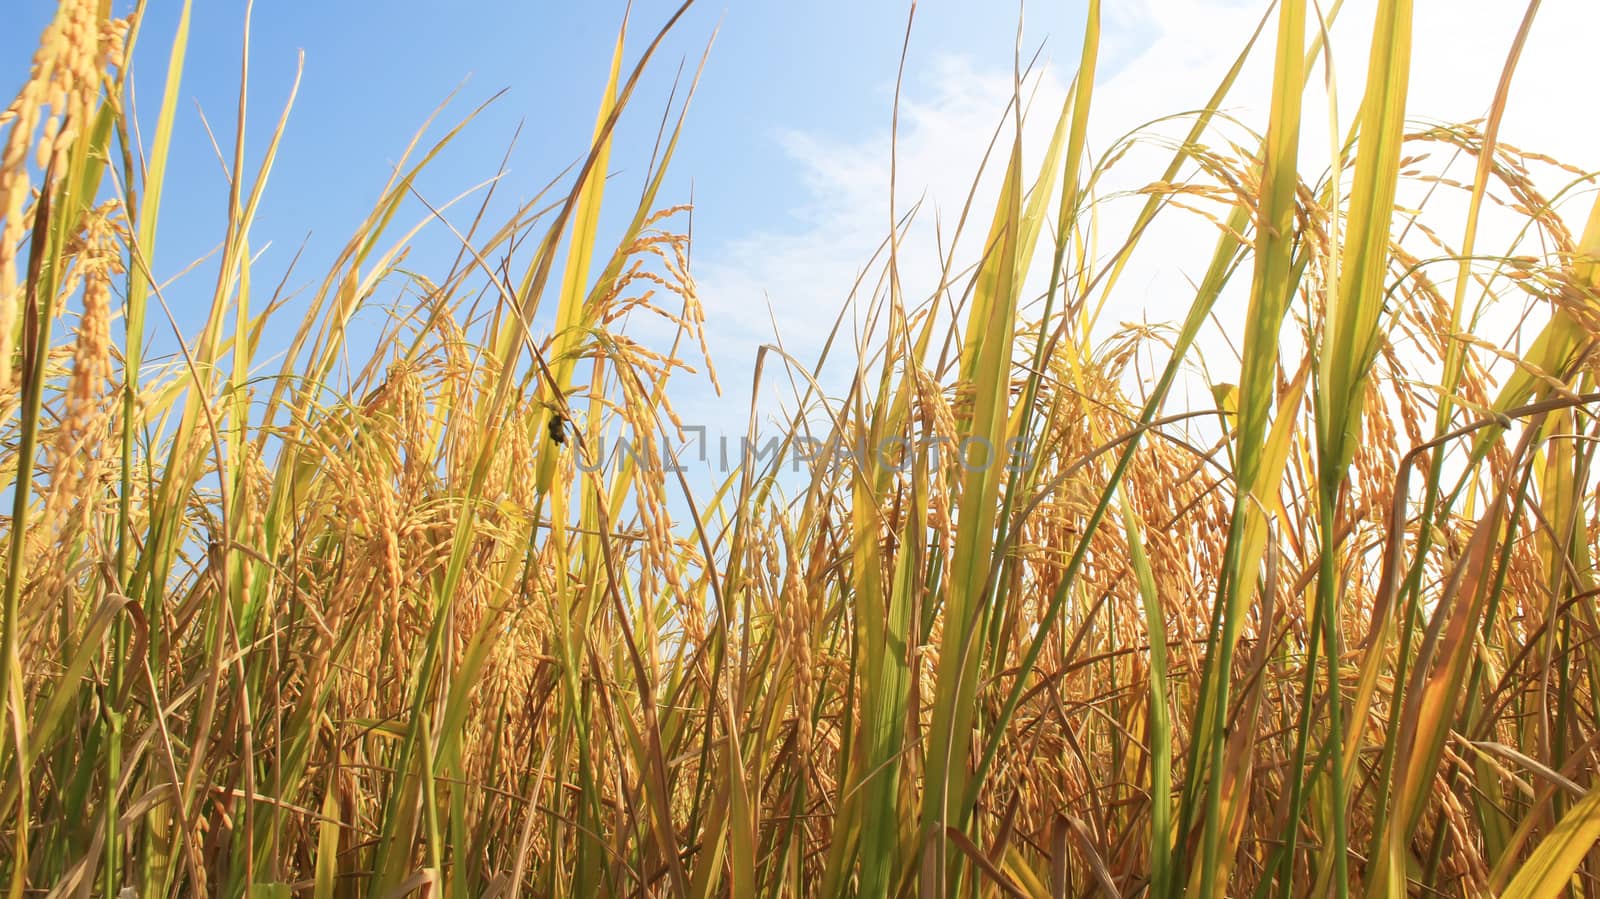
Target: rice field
{"x":377,"y":615}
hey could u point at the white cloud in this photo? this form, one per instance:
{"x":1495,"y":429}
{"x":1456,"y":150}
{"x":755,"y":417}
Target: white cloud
{"x":1163,"y":56}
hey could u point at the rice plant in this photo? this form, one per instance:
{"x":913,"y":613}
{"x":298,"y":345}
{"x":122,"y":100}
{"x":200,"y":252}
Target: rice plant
{"x":378,"y":614}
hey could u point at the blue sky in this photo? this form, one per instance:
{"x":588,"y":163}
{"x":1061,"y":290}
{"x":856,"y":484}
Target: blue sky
{"x":374,"y":72}
{"x":786,"y":147}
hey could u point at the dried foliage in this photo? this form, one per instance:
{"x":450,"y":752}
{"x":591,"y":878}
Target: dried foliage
{"x":420,"y":632}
